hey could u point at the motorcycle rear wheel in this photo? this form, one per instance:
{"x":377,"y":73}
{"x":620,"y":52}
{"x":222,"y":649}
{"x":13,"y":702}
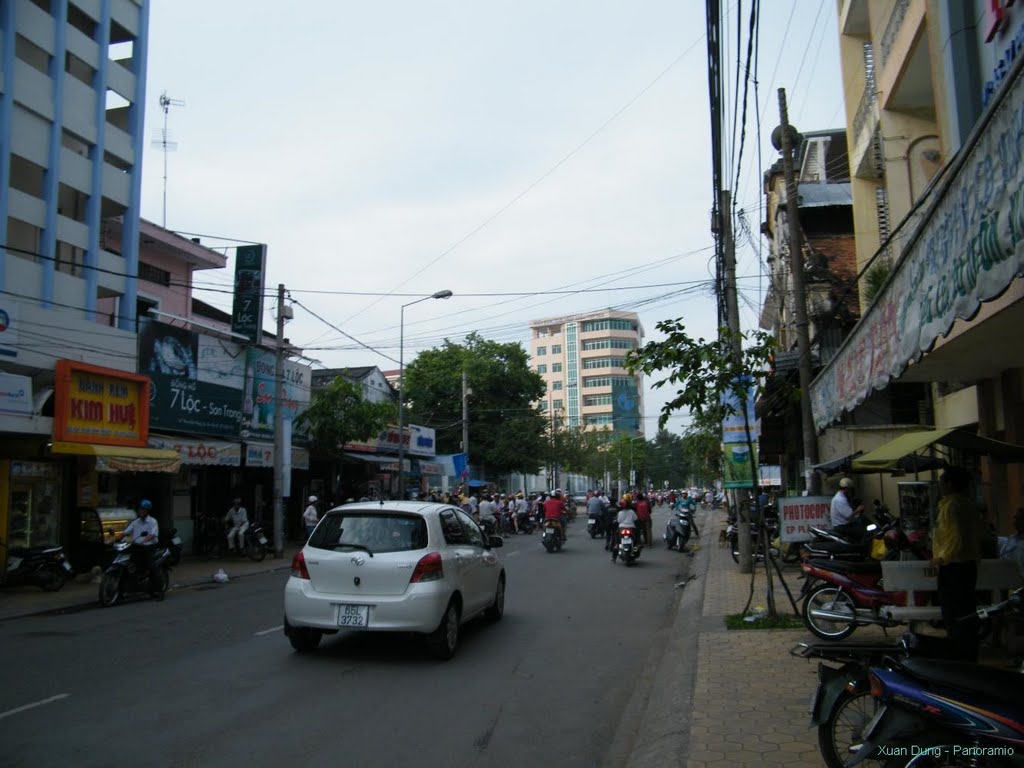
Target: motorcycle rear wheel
{"x":830,"y":598}
{"x":110,"y":589}
{"x":50,"y":578}
{"x":255,"y":551}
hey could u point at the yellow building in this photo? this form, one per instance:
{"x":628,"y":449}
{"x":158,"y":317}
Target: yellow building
{"x":934,"y":109}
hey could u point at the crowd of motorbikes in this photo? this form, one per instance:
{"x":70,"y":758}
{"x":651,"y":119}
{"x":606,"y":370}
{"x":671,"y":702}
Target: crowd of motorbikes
{"x":906,"y":702}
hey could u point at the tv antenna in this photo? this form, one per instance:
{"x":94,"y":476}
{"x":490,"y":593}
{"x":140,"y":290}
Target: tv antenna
{"x":164,"y":143}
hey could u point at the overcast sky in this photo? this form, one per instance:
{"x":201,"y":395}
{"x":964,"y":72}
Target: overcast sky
{"x":496,"y":149}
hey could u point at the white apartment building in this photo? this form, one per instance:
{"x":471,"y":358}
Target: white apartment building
{"x":582,"y":359}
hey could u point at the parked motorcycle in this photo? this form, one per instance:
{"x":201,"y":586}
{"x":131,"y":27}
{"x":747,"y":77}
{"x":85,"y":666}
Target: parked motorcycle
{"x":123,"y":577}
{"x":170,"y":539}
{"x":756,"y":541}
{"x":45,"y":566}
{"x":679,"y":528}
{"x":551,"y":536}
{"x":931,"y":711}
{"x":629,"y":545}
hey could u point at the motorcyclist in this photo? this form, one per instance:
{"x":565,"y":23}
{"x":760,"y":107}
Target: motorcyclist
{"x":688,"y":505}
{"x":144,"y":532}
{"x":626,"y":517}
{"x":554,"y":509}
{"x":595,"y":511}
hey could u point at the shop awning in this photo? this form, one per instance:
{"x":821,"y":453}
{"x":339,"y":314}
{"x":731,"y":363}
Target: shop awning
{"x":119,"y":458}
{"x":837,"y":466}
{"x":891,"y":454}
{"x":372,"y":458}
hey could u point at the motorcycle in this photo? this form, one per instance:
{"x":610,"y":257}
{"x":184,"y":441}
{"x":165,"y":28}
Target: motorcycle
{"x":123,"y":576}
{"x":551,"y":536}
{"x":45,"y":566}
{"x":170,"y":540}
{"x":525,"y":522}
{"x":596,"y":525}
{"x":732,"y":532}
{"x":256,"y":543}
{"x":679,"y":528}
{"x":932,"y":711}
{"x":629,"y":546}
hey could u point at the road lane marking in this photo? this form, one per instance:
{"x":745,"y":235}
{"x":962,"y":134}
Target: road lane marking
{"x":268,"y":631}
{"x":512,"y":554}
{"x":33,"y":705}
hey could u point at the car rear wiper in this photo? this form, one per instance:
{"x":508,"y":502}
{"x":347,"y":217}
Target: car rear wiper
{"x":354,"y":546}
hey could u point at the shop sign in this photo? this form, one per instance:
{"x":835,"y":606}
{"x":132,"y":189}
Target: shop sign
{"x":33,"y":469}
{"x":431,"y":468}
{"x":420,"y":441}
{"x":247,"y":308}
{"x":100,"y":405}
{"x":798,"y":513}
{"x":197,"y":379}
{"x":206,"y":453}
{"x":258,"y":404}
{"x":15,"y":394}
{"x":967,"y":249}
{"x":262,"y":455}
{"x":8,"y":329}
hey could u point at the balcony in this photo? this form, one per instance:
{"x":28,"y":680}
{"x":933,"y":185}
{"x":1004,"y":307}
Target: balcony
{"x":853,"y":18}
{"x":904,"y":76}
{"x":866,"y":152}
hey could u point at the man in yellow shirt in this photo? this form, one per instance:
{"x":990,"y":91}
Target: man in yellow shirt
{"x":956,"y":550}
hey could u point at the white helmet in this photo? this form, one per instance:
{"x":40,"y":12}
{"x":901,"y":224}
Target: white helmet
{"x":312,"y":499}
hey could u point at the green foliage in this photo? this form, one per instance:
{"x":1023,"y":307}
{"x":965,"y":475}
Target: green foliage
{"x":338,"y":414}
{"x":506,"y":431}
{"x":781,"y":621}
{"x":875,"y":279}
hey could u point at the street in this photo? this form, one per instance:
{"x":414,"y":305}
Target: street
{"x":207,"y":677}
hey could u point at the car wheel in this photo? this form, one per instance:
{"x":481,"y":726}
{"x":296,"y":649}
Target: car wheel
{"x":304,"y":639}
{"x":497,"y":609}
{"x":443,"y":641}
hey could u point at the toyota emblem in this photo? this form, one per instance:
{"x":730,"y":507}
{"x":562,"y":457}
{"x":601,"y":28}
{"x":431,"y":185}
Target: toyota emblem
{"x":358,"y":559}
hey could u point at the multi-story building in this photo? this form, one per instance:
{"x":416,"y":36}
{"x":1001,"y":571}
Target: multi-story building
{"x":934,"y":93}
{"x":582,"y":360}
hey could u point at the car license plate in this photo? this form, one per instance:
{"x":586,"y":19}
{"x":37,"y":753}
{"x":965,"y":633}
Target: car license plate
{"x":176,"y":541}
{"x":353,"y":615}
{"x":627,"y":540}
{"x":263,"y":540}
{"x":66,"y":566}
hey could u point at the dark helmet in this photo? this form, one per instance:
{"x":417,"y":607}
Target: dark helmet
{"x":145,"y":504}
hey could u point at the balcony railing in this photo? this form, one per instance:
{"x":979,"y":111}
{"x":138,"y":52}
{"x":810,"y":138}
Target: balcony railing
{"x":892,"y":28}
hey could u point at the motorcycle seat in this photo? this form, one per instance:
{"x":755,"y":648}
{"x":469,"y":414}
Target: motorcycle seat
{"x":847,"y":566}
{"x":836,"y":548}
{"x":997,"y":683}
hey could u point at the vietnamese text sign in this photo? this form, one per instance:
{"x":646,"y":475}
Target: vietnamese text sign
{"x":208,"y":453}
{"x":734,"y":426}
{"x":197,"y":380}
{"x":419,"y":441}
{"x":247,"y":309}
{"x":798,"y":513}
{"x":258,"y":403}
{"x":100,"y":405}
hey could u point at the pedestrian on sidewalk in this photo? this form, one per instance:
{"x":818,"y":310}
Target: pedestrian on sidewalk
{"x":956,"y":551}
{"x":310,"y":517}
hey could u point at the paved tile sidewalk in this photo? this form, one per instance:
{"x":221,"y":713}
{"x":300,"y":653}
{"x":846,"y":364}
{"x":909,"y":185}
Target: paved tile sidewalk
{"x":750,"y":697}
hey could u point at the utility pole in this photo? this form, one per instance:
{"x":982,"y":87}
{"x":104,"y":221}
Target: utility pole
{"x":732,"y":316}
{"x":796,"y":268}
{"x":279,"y":427}
{"x":466,"y":392}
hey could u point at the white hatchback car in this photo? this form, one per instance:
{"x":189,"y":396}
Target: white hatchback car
{"x":393,"y":566}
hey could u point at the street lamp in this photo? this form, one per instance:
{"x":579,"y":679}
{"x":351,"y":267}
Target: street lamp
{"x":401,"y":387}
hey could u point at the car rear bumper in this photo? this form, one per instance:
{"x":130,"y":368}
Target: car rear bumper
{"x":419,"y":609}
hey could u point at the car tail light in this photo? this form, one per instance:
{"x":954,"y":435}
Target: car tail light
{"x":299,"y":569}
{"x":429,"y":568}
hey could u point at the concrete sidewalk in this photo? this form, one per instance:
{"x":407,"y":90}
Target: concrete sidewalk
{"x":82,"y":591}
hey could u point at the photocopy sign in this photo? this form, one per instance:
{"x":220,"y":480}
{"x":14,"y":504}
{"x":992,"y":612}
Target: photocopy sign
{"x":798,"y":513}
{"x":247,"y":310}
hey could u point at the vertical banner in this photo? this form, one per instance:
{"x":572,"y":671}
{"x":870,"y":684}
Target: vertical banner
{"x":247,"y":309}
{"x":737,"y":466}
{"x":286,"y":458}
{"x":733,"y":426}
{"x":625,"y":405}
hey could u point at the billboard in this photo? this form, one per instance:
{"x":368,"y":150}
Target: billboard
{"x":258,"y":400}
{"x":100,"y":405}
{"x":625,"y":405}
{"x":196,"y":379}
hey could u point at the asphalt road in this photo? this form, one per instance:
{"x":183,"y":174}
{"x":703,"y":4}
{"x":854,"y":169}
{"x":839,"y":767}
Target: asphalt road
{"x":207,"y":678}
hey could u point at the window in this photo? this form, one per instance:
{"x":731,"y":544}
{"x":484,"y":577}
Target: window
{"x":453,"y":533}
{"x":541,"y":351}
{"x":544,"y":405}
{"x":556,"y":385}
{"x":377,"y":533}
{"x":556,"y":367}
{"x":556,"y":349}
{"x":556,"y":405}
{"x":152,"y":274}
{"x":608,"y":344}
{"x":591,"y":400}
{"x":601,"y":418}
{"x":614,"y":324}
{"x":542,"y":369}
{"x":605,"y":362}
{"x":473,"y":533}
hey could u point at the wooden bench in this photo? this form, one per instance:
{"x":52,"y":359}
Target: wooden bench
{"x":995,"y":576}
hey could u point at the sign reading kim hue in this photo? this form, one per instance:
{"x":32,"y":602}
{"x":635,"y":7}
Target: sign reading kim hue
{"x":100,"y":405}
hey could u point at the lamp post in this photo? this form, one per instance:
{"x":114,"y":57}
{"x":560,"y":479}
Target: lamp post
{"x":401,"y":387}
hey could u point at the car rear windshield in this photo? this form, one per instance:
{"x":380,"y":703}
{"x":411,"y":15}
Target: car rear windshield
{"x":374,"y":532}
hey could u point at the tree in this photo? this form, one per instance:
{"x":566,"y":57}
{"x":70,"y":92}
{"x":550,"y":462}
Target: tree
{"x":669,"y":461}
{"x":338,"y":414}
{"x":710,"y":375}
{"x":507,"y":432}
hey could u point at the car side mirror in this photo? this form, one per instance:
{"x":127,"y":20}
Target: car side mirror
{"x":495,"y":542}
